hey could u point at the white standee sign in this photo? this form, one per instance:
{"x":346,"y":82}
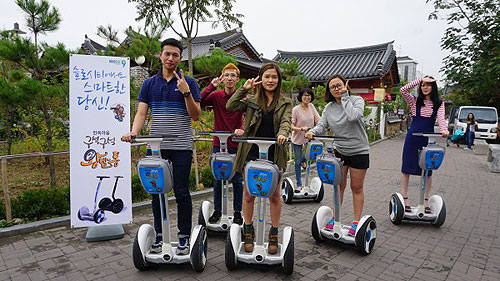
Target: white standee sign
{"x":99,"y":104}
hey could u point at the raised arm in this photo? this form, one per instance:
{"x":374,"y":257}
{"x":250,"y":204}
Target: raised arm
{"x":353,"y":107}
{"x":410,"y":100}
{"x":236,"y":102}
{"x":441,"y":119}
{"x":322,"y":125}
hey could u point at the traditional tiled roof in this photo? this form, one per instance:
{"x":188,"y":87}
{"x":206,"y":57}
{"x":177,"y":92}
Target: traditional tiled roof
{"x":227,"y":41}
{"x":91,"y":47}
{"x":352,"y":63}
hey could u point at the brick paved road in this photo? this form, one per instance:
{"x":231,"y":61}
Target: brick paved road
{"x":466,"y":247}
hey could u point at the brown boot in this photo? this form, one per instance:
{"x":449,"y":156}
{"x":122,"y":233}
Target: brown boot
{"x":249,"y":239}
{"x":272,"y":247}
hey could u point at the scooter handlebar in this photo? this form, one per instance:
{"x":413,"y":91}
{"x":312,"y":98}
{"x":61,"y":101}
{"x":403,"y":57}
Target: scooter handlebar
{"x":216,"y":133}
{"x":427,"y":135}
{"x":258,"y":140}
{"x":154,"y":138}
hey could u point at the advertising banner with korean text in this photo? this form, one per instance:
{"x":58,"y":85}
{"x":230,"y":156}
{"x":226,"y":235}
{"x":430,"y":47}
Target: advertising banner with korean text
{"x":99,"y":104}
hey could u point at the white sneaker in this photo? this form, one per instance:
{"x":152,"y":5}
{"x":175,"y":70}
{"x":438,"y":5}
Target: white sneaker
{"x":466,"y":148}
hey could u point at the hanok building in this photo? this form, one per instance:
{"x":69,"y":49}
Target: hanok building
{"x":366,"y":68}
{"x":234,"y":43}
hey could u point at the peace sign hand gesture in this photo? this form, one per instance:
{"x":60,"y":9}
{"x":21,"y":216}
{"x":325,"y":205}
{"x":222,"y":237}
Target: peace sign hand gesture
{"x":181,"y":82}
{"x":218,"y":80}
{"x":251,"y":83}
{"x":344,"y":89}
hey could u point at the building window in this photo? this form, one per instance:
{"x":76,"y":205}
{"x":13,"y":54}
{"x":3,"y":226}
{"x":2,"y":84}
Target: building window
{"x":406,"y":73}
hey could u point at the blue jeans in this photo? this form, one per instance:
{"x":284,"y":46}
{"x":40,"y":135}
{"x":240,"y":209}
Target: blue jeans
{"x":469,"y":138}
{"x":237,"y":181}
{"x":299,"y":158}
{"x":181,"y":162}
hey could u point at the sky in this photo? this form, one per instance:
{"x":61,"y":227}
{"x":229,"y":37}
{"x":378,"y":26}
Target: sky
{"x":288,"y":25}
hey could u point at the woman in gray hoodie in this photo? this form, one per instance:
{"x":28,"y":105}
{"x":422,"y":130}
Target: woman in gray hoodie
{"x":343,"y":116}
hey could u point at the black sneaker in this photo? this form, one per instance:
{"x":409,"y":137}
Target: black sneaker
{"x":237,"y":218}
{"x":157,"y":245}
{"x":215,"y":218}
{"x":183,"y":248}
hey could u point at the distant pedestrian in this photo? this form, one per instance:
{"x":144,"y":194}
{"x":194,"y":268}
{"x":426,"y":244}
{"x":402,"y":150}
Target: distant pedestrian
{"x":470,"y":131}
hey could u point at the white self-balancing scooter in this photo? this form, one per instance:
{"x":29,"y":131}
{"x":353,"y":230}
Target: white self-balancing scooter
{"x":330,"y":172}
{"x":222,"y":165}
{"x":156,"y":175}
{"x":262,"y":178}
{"x":430,"y":158}
{"x":313,"y":191}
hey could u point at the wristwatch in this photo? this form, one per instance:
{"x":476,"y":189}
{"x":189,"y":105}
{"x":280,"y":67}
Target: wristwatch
{"x":186,"y":94}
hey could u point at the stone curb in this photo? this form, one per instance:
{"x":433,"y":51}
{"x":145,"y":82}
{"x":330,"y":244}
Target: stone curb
{"x":65,"y":221}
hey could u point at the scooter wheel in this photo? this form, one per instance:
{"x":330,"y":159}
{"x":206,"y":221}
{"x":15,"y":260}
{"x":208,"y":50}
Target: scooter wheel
{"x":366,"y":236}
{"x":230,"y":258}
{"x":396,"y":210}
{"x":98,"y":216}
{"x":288,"y":258}
{"x":117,"y":206}
{"x":315,"y":231}
{"x":139,"y":262}
{"x":199,"y":251}
{"x":441,"y":217}
{"x":105,"y":203}
{"x":321,"y":194}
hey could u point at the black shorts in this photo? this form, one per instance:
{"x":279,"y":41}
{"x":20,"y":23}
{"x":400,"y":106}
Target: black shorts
{"x":360,"y":161}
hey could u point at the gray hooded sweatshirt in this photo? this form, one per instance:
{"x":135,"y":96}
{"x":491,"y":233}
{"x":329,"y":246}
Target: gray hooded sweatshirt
{"x":345,"y":120}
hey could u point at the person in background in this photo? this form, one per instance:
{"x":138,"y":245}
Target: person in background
{"x":304,"y":117}
{"x":470,"y":131}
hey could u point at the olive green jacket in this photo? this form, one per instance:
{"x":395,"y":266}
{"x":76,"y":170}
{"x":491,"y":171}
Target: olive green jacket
{"x":282,"y":124}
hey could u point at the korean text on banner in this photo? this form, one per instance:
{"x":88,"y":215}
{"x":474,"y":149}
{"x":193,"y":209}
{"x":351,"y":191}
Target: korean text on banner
{"x":100,"y":172}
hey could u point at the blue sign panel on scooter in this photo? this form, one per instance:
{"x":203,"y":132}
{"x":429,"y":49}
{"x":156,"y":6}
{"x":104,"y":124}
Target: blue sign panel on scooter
{"x":433,"y":159}
{"x":316,"y":150}
{"x":222,"y":170}
{"x":152,"y":179}
{"x":259,"y":182}
{"x":326,"y":172}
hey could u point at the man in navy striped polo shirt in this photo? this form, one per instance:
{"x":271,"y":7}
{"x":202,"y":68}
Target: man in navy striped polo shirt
{"x":174,"y":99}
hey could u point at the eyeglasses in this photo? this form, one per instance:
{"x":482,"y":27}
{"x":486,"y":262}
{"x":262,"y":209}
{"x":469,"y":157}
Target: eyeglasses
{"x":337,"y":86}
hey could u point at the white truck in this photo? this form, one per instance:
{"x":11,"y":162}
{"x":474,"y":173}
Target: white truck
{"x":486,"y":117}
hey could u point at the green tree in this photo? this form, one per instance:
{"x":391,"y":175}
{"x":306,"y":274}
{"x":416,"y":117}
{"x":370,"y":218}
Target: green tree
{"x":47,"y":84}
{"x":293,"y":79}
{"x":190,"y":13}
{"x":212,"y":65}
{"x":10,"y":98}
{"x":473,"y":40}
{"x":40,"y":17}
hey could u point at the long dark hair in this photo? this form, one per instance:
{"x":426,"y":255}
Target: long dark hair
{"x":436,"y":101}
{"x":472,"y":120}
{"x":260,"y":91}
{"x":328,"y":95}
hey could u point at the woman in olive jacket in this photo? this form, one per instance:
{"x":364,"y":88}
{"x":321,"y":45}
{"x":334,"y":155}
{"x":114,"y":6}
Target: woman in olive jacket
{"x":268,"y":114}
